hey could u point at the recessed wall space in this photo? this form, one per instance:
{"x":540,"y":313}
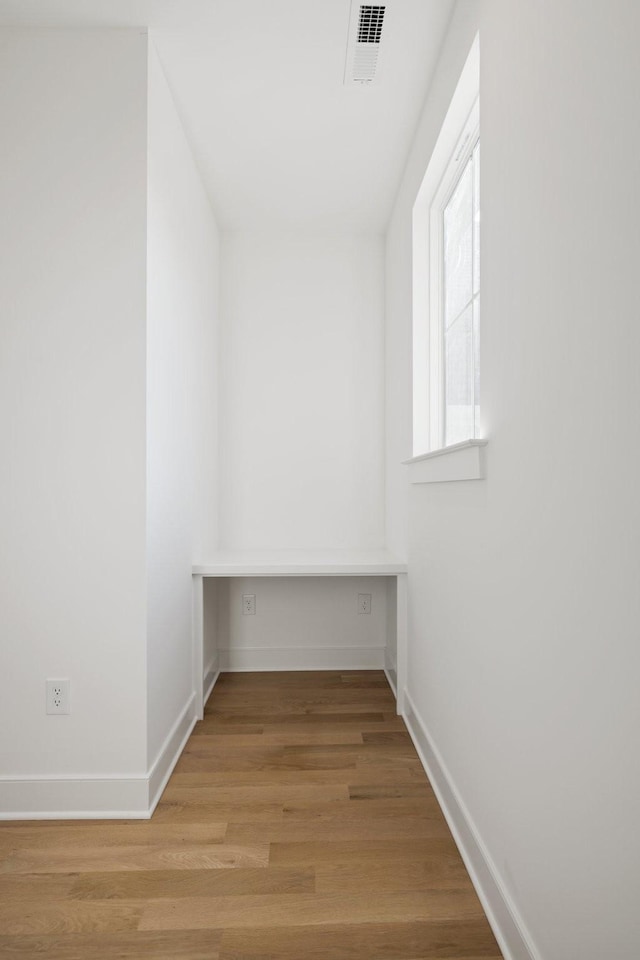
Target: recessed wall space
{"x":309,"y":623}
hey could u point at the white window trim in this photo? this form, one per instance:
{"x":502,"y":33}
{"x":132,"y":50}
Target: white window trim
{"x":460,"y":461}
{"x":458,"y":133}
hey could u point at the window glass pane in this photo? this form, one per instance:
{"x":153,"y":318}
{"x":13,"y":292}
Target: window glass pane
{"x":459,"y":380}
{"x":476,"y":367}
{"x":476,"y":218}
{"x":458,"y":247}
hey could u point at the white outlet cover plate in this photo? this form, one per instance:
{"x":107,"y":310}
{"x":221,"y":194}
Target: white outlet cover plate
{"x":364,"y":603}
{"x":249,"y":604}
{"x":58,"y":697}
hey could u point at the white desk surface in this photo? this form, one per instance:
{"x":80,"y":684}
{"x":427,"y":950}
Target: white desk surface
{"x":301,"y":563}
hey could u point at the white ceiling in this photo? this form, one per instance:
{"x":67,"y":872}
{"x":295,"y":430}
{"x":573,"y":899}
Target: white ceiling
{"x":279,"y":139}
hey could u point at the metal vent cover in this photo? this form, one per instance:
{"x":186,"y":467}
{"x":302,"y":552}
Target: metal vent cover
{"x":370,"y":24}
{"x":363,"y":43}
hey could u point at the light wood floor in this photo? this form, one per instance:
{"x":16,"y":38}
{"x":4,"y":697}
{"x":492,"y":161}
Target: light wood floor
{"x":297,"y":825}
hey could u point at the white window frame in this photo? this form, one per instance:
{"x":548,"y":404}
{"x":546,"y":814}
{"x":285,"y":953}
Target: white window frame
{"x":458,"y":135}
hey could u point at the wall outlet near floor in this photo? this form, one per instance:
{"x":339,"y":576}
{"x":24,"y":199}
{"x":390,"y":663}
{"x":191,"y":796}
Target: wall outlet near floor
{"x":249,"y":604}
{"x":58,"y":696}
{"x":364,"y":603}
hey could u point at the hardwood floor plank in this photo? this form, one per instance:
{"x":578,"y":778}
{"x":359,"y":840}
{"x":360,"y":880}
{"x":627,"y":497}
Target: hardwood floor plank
{"x":281,"y":793}
{"x":400,"y":789}
{"x":230,"y":753}
{"x":68,"y":916}
{"x":315,"y":679}
{"x":27,"y":888}
{"x":312,"y":830}
{"x":460,"y":940}
{"x":68,"y":860}
{"x":309,"y":681}
{"x":220,"y":718}
{"x":137,"y":833}
{"x":268,"y":738}
{"x":238,"y":764}
{"x":387,"y":736}
{"x":368,"y":850}
{"x":345,"y":776}
{"x":205,"y":806}
{"x":310,"y":910}
{"x":269,"y":702}
{"x":267,"y":709}
{"x":374,"y":753}
{"x":175,"y":884}
{"x":422,"y":808}
{"x":435,"y":873}
{"x":167,"y":945}
{"x":225,"y":729}
{"x":328,"y":725}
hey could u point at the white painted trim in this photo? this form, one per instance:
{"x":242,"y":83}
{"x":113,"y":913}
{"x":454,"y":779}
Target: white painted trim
{"x":197,"y":644}
{"x":75,"y":815}
{"x":301,"y":564}
{"x":299,"y":570}
{"x":75,"y":777}
{"x":402,"y":639}
{"x":210,"y":680}
{"x":170,"y":751}
{"x":85,"y":797}
{"x":392,"y":678}
{"x":242,"y":659}
{"x":74,"y":798}
{"x":461,"y":461}
{"x":510,"y":931}
{"x":446,"y":451}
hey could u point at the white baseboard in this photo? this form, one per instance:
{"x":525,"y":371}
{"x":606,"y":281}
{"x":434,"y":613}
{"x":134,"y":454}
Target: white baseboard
{"x":210,"y":679}
{"x":97,"y":798}
{"x":298,"y":658}
{"x":506,"y":923}
{"x":391,"y":670}
{"x":74,"y":798}
{"x":169,"y":753}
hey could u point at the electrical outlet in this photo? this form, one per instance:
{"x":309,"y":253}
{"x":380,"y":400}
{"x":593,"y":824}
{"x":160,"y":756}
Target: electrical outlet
{"x":58,"y":696}
{"x":249,"y":604}
{"x":364,"y":603}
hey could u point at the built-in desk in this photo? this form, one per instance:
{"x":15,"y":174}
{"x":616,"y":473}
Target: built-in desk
{"x":297,"y":564}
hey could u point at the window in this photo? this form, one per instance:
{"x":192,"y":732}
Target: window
{"x":446,"y":291}
{"x":454,"y":307}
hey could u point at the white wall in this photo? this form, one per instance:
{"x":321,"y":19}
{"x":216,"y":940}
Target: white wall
{"x":524,"y":601}
{"x":181,"y":403}
{"x":302,"y":392}
{"x":72,"y":403}
{"x":309,"y":623}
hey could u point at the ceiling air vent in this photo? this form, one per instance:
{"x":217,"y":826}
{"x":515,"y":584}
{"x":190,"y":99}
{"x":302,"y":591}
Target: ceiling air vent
{"x":363,"y":45}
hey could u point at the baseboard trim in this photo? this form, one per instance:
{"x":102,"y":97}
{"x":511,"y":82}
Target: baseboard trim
{"x":392,"y":676}
{"x":113,"y":797}
{"x":75,"y":798}
{"x":170,"y":751}
{"x":244,"y":659}
{"x":506,"y":923}
{"x":211,"y":675}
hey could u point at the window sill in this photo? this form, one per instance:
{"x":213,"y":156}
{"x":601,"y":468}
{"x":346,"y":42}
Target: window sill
{"x":462,"y":461}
